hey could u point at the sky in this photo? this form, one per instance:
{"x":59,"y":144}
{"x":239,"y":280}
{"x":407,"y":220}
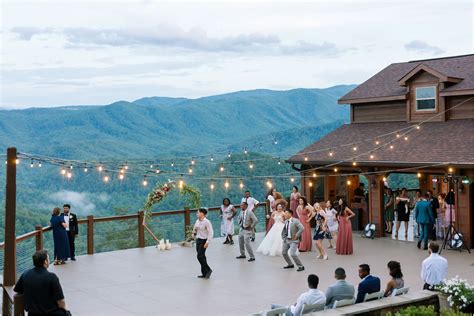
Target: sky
{"x":56,"y":53}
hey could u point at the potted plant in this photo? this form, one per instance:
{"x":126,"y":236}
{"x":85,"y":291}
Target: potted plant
{"x":459,"y":294}
{"x":189,"y":237}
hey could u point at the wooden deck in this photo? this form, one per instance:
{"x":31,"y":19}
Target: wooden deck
{"x":151,"y":282}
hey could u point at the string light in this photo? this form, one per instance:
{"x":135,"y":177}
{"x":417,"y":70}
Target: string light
{"x":190,"y":170}
{"x":100,"y":168}
{"x":331,"y":153}
{"x":275,"y":141}
{"x":251,"y":165}
{"x":418,"y":127}
{"x":157,"y":171}
{"x":371,"y":156}
{"x":228,"y":154}
{"x":310,"y":183}
{"x":126,"y":165}
{"x":241,"y":184}
{"x":212,"y":186}
{"x":279,"y":161}
{"x":222,"y":168}
{"x":405,"y":138}
{"x":63,"y":171}
{"x":384,"y":179}
{"x":245,"y":151}
{"x":121,"y":176}
{"x":335,"y":169}
{"x":292,"y":179}
{"x":450,"y":170}
{"x":305,"y":157}
{"x":17,"y":161}
{"x":192,"y":161}
{"x":69,"y":175}
{"x":314,"y":174}
{"x":145,"y":182}
{"x":71,"y":167}
{"x":226,"y":184}
{"x":391,"y":146}
{"x":32,"y":164}
{"x":354,"y":148}
{"x":212,"y":157}
{"x":377,"y":142}
{"x":122,"y":171}
{"x":172,"y":164}
{"x":85,"y":168}
{"x":269,"y":184}
{"x":398,"y":135}
{"x":151,"y":166}
{"x":418,"y":175}
{"x":106,"y":178}
{"x":354,"y":163}
{"x":348,"y":182}
{"x":40,"y":164}
{"x":180,"y":184}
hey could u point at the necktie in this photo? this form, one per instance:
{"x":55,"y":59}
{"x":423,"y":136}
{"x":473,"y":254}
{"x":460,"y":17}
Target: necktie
{"x":288,"y":227}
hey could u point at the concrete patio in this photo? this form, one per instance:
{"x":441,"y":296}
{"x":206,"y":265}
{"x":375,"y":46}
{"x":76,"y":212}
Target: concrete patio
{"x":147,"y":281}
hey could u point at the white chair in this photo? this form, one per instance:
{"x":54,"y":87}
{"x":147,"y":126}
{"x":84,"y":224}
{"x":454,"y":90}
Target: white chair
{"x":281,"y":311}
{"x":342,"y":303}
{"x":310,"y":308}
{"x":373,"y":296}
{"x":403,"y":290}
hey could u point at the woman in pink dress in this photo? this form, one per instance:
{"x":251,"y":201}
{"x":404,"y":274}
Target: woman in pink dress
{"x":295,"y":195}
{"x":344,"y":241}
{"x":271,"y":199}
{"x":304,"y":211}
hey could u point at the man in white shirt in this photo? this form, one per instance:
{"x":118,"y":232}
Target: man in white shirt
{"x":252,"y":206}
{"x":313,"y":296}
{"x":203,"y":232}
{"x":434,"y":269}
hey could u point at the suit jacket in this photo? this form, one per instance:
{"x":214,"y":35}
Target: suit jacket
{"x":73,"y":226}
{"x":341,"y":290}
{"x":423,"y":213}
{"x":296,"y":230}
{"x":369,"y":285}
{"x":249,"y":222}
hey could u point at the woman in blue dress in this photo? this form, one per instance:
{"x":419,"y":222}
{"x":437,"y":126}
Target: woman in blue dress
{"x":321,"y":230}
{"x":61,"y":242}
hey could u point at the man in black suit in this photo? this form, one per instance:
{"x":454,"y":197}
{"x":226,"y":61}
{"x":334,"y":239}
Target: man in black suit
{"x":72,"y":228}
{"x":368,"y":285}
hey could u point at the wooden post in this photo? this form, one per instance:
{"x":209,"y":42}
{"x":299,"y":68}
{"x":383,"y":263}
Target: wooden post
{"x":141,"y":229}
{"x":18,"y":305}
{"x":187,"y":218}
{"x":376,"y":205}
{"x":9,"y":261}
{"x":39,"y":237}
{"x":90,"y":235}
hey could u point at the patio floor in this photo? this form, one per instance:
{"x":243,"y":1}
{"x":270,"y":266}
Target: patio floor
{"x":147,"y":281}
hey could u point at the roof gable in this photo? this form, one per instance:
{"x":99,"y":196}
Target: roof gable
{"x":422,"y":67}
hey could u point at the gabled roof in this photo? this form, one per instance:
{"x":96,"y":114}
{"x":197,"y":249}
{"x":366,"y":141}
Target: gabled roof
{"x":435,"y":142}
{"x":386,"y":84}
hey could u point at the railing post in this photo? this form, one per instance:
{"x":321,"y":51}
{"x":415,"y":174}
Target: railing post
{"x":39,"y":237}
{"x":90,"y":235}
{"x":18,"y":305}
{"x":9,"y":255}
{"x":141,"y":229}
{"x":268,"y":210}
{"x":187,"y":218}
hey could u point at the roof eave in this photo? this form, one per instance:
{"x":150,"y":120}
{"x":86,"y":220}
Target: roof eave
{"x":373,"y":99}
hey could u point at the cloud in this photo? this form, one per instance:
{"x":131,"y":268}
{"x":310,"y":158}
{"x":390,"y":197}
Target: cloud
{"x":423,"y":47}
{"x":81,"y":202}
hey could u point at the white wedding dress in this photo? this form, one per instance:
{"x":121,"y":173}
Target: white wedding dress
{"x":272,"y":243}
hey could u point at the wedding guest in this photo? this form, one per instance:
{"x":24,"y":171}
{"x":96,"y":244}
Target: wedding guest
{"x":313,"y":296}
{"x":271,"y":200}
{"x":294,"y":197}
{"x":72,"y":229}
{"x":333,"y":224}
{"x":228,"y":213}
{"x":61,"y":242}
{"x":272,"y":244}
{"x":434,"y":205}
{"x":247,"y":223}
{"x":304,"y":211}
{"x":418,"y":197}
{"x":434,"y":269}
{"x":41,"y":289}
{"x":424,"y":218}
{"x":441,"y":215}
{"x":204,"y":233}
{"x":403,"y":213}
{"x":368,"y":285}
{"x":389,"y":203}
{"x":341,"y":290}
{"x":320,"y":231}
{"x":344,"y":244}
{"x":252,"y":207}
{"x":291,"y":235}
{"x":396,"y":282}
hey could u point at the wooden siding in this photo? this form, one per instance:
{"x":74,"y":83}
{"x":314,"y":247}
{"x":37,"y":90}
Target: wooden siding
{"x":393,"y":111}
{"x":461,"y":112}
{"x":422,"y":80}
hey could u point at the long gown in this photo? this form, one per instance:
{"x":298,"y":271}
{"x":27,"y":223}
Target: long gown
{"x":306,"y":238}
{"x":227,"y":226}
{"x":61,"y":242}
{"x":272,"y":243}
{"x":294,"y":203}
{"x":344,"y":241}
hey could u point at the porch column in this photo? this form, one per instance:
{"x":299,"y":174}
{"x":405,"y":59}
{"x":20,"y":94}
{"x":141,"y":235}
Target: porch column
{"x":464,"y":220}
{"x":376,"y":207}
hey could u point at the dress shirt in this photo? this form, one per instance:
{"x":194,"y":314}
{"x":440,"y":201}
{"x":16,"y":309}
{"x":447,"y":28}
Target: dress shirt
{"x":203,"y":229}
{"x":434,"y":269}
{"x":251,"y":203}
{"x":313,"y":296}
{"x":66,"y":219}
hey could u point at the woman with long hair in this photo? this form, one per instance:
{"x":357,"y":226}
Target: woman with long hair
{"x":60,"y":238}
{"x":305,"y":210}
{"x":403,"y":213}
{"x":228,"y":213}
{"x":269,"y":216}
{"x":332,"y":223}
{"x":344,"y":245}
{"x":295,"y":195}
{"x":389,"y":210}
{"x":320,"y":231}
{"x":396,"y":282}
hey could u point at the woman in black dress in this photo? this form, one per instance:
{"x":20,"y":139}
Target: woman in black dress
{"x":61,"y":242}
{"x":403,"y":212}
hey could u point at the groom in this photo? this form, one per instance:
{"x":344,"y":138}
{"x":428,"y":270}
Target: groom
{"x":291,"y":235}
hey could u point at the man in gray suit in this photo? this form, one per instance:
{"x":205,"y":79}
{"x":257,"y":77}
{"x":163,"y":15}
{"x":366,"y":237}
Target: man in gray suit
{"x":291,"y":235}
{"x":247,"y":223}
{"x":341,"y":290}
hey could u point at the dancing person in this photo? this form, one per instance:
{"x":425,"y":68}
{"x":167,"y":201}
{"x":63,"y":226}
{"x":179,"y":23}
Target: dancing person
{"x":294,"y":197}
{"x":228,"y":213}
{"x":41,"y":289}
{"x":396,"y":282}
{"x":434,"y":205}
{"x":72,"y":229}
{"x":247,"y":223}
{"x":341,"y":290}
{"x":344,"y":244}
{"x":389,"y":203}
{"x":313,"y":296}
{"x":272,"y":244}
{"x":424,"y":218}
{"x":271,"y":201}
{"x":333,"y":225}
{"x":368,"y":285}
{"x":252,"y":207}
{"x":418,"y":197}
{"x":320,"y":231}
{"x":204,"y":233}
{"x":434,"y":269}
{"x":403,"y":213}
{"x":304,"y":211}
{"x":61,"y":242}
{"x":291,"y":235}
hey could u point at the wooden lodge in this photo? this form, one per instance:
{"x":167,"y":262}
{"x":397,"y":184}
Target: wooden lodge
{"x":411,"y":117}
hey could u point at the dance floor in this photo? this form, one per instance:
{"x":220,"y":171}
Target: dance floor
{"x":151,"y":282}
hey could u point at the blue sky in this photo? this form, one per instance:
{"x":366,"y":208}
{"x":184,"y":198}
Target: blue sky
{"x":97,"y":52}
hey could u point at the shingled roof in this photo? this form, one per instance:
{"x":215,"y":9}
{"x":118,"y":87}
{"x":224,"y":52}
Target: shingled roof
{"x":450,"y":142}
{"x":385,"y":84}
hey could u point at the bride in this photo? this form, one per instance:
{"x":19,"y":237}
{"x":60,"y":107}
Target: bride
{"x":272,"y":243}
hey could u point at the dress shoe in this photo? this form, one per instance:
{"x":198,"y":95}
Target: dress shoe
{"x":300,"y":269}
{"x":252,"y":239}
{"x":251,"y":259}
{"x":73,"y":259}
{"x":201,"y":276}
{"x":225,"y":242}
{"x":208,"y":275}
{"x":419,"y":244}
{"x":289,"y":267}
{"x":425,"y":247}
{"x":241,"y":257}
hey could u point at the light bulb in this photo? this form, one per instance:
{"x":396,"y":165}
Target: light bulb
{"x":172,"y":164}
{"x":279,"y":161}
{"x":71,"y":167}
{"x":354,"y":148}
{"x":226,"y":185}
{"x":151,"y":166}
{"x":121,"y":176}
{"x":310,"y":184}
{"x":122,"y":171}
{"x":377,"y":142}
{"x":292,"y":179}
{"x":305,"y":158}
{"x":221,"y":168}
{"x":398,"y":135}
{"x":145,"y":183}
{"x":269,"y":184}
{"x":106,"y":179}
{"x":157,"y":171}
{"x":418,"y":127}
{"x":32,"y":164}
{"x":40,"y":164}
{"x":391,"y":146}
{"x":348,"y":182}
{"x":17,"y":161}
{"x":63,"y":171}
{"x":241,"y":185}
{"x":275,"y":141}
{"x":371,"y":156}
{"x":418,"y":175}
{"x":212,"y":186}
{"x":181,"y":184}
{"x":212,"y":158}
{"x":69,"y":175}
{"x":450,"y":170}
{"x":190,"y":170}
{"x":314,"y":174}
{"x":251,"y":165}
{"x":406,"y":138}
{"x":335,"y":169}
{"x":126,"y":166}
{"x":331,"y":153}
{"x":354,"y":163}
{"x":100,"y":168}
{"x":228,"y":154}
{"x":384,"y":179}
{"x":192,"y":161}
{"x":245,"y":151}
{"x":85,"y":169}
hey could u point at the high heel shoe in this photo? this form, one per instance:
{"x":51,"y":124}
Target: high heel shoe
{"x":325,"y":257}
{"x":320,"y":257}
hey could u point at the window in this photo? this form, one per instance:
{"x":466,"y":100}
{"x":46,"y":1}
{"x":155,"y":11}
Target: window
{"x":426,"y":98}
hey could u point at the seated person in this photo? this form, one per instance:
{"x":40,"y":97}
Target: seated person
{"x":41,"y":289}
{"x":341,"y":290}
{"x":313,"y":296}
{"x":368,"y":285}
{"x":396,"y":282}
{"x":434,"y":269}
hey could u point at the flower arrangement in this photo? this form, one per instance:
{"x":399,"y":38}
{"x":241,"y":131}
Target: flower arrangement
{"x":157,"y":194}
{"x":460,"y":294}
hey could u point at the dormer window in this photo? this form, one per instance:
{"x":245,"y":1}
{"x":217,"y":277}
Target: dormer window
{"x":426,"y":98}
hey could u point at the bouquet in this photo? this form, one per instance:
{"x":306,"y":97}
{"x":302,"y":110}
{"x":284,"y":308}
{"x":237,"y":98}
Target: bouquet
{"x":459,"y":293}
